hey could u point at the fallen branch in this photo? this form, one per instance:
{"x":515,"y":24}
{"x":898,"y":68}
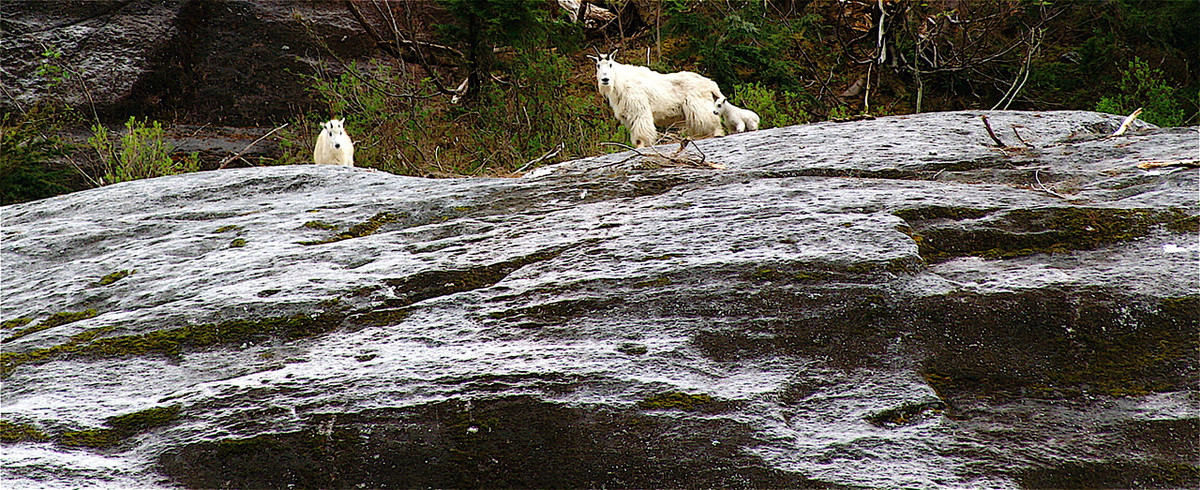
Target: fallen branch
{"x":1127,"y":122}
{"x":1191,"y":163}
{"x":545,"y":156}
{"x":672,"y":160}
{"x":228,"y":160}
{"x":991,"y":133}
{"x":1019,"y":138}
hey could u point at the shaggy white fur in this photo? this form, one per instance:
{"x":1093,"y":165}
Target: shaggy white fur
{"x":737,"y":120}
{"x":333,"y":145}
{"x":643,"y":100}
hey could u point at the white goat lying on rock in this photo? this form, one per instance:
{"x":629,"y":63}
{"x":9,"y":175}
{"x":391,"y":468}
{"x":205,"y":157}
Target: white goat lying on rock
{"x":737,"y":120}
{"x":642,"y":99}
{"x":333,"y":145}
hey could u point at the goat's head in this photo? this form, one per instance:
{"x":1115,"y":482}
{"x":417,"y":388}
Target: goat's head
{"x":336,"y":130}
{"x":720,"y":104}
{"x":605,"y":67}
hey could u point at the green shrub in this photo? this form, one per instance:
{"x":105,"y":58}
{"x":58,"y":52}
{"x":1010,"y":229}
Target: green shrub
{"x":736,"y":43}
{"x":776,"y":109}
{"x":1141,"y":86}
{"x":401,"y":125}
{"x":143,"y":153}
{"x":29,"y":146}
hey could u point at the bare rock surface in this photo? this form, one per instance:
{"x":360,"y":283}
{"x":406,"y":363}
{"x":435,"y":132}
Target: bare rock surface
{"x":887,"y":303}
{"x":228,"y":62}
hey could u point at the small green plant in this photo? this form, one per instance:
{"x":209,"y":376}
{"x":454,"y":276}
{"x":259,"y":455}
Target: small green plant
{"x":143,"y":153}
{"x":51,"y":67}
{"x":1141,"y":86}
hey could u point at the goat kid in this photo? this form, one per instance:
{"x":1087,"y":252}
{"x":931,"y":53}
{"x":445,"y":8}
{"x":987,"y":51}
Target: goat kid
{"x":737,"y":120}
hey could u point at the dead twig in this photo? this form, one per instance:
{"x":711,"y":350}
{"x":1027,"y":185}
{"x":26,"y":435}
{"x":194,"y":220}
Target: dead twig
{"x":1127,"y":122}
{"x":991,"y":133}
{"x":553,"y":152}
{"x":1019,"y":138}
{"x":1042,"y":187}
{"x":675,"y":159}
{"x":227,"y":160}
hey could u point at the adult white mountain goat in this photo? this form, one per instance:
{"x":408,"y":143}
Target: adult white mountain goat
{"x":642,"y":99}
{"x":737,"y":120}
{"x":333,"y":145}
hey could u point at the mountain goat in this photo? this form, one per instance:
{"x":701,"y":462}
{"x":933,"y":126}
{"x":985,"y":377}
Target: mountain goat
{"x":737,"y":120}
{"x":642,"y":99}
{"x":333,"y":145}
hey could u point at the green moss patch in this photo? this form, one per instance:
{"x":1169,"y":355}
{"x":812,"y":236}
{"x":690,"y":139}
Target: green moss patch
{"x":1055,"y":346}
{"x":560,"y":311}
{"x":320,"y":225}
{"x":368,"y":227}
{"x":145,"y":419}
{"x":906,"y":415}
{"x":432,"y":284}
{"x":57,"y":319}
{"x":11,"y":432}
{"x":1023,"y":232}
{"x":114,"y":277}
{"x":93,"y":438}
{"x":226,"y":228}
{"x":941,"y":212}
{"x":121,"y":427}
{"x":175,"y":341}
{"x":237,"y":243}
{"x":676,"y":400}
{"x":14,"y":323}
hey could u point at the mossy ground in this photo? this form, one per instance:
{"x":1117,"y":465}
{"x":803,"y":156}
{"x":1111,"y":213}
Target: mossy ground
{"x":176,"y":340}
{"x":11,"y":432}
{"x":120,"y":428}
{"x":1154,"y":473}
{"x":55,"y":320}
{"x":366,"y":228}
{"x":1022,"y":232}
{"x":1051,"y":347}
{"x":14,"y":323}
{"x":676,"y":400}
{"x":114,"y":277}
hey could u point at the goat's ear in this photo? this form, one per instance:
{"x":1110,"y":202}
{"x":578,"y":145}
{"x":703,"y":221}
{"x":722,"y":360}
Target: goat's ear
{"x":594,"y":58}
{"x":613,"y":54}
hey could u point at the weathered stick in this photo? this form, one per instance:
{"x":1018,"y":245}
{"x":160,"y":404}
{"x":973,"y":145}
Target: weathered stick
{"x":1192,"y":163}
{"x":545,"y":156}
{"x":1127,"y":122}
{"x":1019,"y":138}
{"x":991,"y":133}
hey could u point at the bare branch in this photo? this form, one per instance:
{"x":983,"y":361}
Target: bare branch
{"x":991,"y":133}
